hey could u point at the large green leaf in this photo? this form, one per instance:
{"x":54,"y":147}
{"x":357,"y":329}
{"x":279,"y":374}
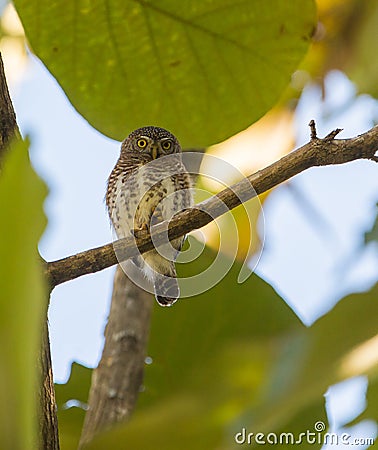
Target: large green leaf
{"x":23,"y":297}
{"x":204,"y":69}
{"x":212,"y":359}
{"x":205,"y":386}
{"x":236,"y":356}
{"x":210,"y":355}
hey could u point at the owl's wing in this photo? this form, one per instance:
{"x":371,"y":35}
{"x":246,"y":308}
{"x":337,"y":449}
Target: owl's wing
{"x":126,"y":167}
{"x":179,"y":197}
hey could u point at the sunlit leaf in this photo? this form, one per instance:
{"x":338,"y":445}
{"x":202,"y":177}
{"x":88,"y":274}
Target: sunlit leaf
{"x":203,"y":69}
{"x":216,"y":371}
{"x":240,"y":232}
{"x":362,"y":65}
{"x":344,"y":40}
{"x":23,"y":297}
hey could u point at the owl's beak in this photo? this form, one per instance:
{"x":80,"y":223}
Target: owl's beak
{"x":154,"y":151}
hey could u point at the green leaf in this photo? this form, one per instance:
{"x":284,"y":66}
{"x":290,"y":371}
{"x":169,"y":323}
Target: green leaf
{"x":212,"y":355}
{"x":71,"y":415}
{"x":323,"y":357}
{"x":236,"y":356}
{"x":361,"y":65}
{"x":232,"y":330}
{"x":207,"y":380}
{"x":371,"y":411}
{"x":203,"y":69}
{"x":372,"y":235}
{"x":23,"y":297}
{"x":77,"y":386}
{"x":306,"y":420}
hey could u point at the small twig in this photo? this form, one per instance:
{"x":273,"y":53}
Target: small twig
{"x":313,"y":130}
{"x":331,"y":136}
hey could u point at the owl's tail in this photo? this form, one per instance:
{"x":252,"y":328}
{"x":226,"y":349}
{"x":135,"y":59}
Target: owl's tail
{"x":167,"y":290}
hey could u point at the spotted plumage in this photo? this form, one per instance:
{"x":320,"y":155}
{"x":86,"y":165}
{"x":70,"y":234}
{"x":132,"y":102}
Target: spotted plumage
{"x":148,"y":184}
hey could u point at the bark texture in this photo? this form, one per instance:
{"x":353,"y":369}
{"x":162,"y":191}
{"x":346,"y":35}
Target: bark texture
{"x":8,"y":125}
{"x":119,"y":376}
{"x":48,"y":428}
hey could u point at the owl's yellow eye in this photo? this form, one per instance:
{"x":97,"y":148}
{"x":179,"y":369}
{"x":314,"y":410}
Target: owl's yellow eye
{"x":166,"y":144}
{"x":141,"y":143}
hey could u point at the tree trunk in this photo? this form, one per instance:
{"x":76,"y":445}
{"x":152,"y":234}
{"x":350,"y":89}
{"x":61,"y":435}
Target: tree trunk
{"x":8,"y":124}
{"x":118,"y":378}
{"x":48,"y":422}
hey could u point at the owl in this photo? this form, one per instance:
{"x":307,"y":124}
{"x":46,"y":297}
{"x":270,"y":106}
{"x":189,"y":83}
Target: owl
{"x":149,"y":184}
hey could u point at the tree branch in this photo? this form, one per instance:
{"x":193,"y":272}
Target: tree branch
{"x":317,"y":152}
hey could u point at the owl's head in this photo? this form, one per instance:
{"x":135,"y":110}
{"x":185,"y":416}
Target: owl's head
{"x":153,"y":141}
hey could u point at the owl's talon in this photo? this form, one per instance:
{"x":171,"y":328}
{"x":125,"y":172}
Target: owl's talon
{"x":137,"y":231}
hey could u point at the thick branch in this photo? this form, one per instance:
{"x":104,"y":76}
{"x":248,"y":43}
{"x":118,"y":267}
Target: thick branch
{"x":317,"y":152}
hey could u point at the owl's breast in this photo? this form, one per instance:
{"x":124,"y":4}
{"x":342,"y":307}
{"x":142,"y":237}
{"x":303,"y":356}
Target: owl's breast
{"x":153,"y":191}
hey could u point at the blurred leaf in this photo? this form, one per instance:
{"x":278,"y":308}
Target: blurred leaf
{"x":77,"y":386}
{"x":236,"y":356}
{"x":362,"y":64}
{"x":245,"y":242}
{"x":70,"y":422}
{"x":235,"y":233}
{"x":203,"y":334}
{"x":371,"y":412}
{"x":322,"y":359}
{"x":372,"y":235}
{"x":70,"y":399}
{"x":344,"y":40}
{"x":203,"y":69}
{"x":212,"y":354}
{"x":224,"y":164}
{"x":219,"y":369}
{"x":23,"y":297}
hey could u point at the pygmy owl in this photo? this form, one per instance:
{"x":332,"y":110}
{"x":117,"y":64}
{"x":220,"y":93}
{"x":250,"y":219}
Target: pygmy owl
{"x":148,"y":184}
